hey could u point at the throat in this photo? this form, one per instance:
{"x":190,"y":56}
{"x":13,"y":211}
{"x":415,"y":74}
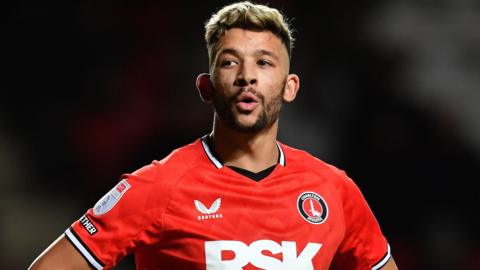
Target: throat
{"x":256,"y":176}
{"x":253,"y":157}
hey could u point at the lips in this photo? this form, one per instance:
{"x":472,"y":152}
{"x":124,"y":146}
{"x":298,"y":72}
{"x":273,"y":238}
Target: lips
{"x":246,"y":102}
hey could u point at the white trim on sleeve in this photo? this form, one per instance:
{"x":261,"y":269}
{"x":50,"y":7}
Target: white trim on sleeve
{"x":385,"y":259}
{"x":78,"y":244}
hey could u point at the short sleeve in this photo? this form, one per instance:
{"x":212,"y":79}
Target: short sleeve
{"x":120,"y":221}
{"x":364,"y":245}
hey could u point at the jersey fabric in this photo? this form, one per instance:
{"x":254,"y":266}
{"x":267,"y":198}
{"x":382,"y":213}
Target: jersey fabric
{"x":188,"y":211}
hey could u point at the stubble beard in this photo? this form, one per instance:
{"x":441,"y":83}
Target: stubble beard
{"x":270,"y":111}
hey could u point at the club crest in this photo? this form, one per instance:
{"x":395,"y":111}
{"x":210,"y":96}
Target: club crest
{"x":312,"y":207}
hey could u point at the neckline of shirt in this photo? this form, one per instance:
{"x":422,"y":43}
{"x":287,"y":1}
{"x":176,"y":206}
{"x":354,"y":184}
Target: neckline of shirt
{"x":256,"y":176}
{"x":218,"y":164}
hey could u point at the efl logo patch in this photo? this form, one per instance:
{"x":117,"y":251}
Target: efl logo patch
{"x":107,"y":202}
{"x":312,"y":207}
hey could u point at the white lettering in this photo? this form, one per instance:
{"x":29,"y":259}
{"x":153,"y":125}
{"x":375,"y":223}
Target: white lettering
{"x":262,"y":261}
{"x":91,"y":229}
{"x":213,"y":255}
{"x":304,"y":260}
{"x":254,"y":254}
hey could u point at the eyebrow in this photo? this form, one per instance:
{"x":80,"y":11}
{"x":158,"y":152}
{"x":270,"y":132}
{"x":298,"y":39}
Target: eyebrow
{"x":256,"y":53}
{"x":229,"y":51}
{"x":266,"y":52}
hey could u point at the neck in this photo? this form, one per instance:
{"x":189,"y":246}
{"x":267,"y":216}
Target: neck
{"x":250,"y":151}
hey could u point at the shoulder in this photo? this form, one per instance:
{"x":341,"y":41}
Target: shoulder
{"x":157,"y":181}
{"x":302,"y":159}
{"x":171,"y":167}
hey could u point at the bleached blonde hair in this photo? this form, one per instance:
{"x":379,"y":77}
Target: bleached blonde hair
{"x":249,"y":16}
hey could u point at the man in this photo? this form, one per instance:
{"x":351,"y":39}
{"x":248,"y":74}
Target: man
{"x":236,"y":198}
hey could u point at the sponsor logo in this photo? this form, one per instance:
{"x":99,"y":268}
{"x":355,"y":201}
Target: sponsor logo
{"x":257,"y":254}
{"x":208,"y":213}
{"x":107,"y":202}
{"x":88,"y":225}
{"x":312,"y":207}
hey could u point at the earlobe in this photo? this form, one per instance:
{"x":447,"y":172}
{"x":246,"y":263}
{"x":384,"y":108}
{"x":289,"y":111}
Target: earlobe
{"x":291,"y":87}
{"x":204,"y":87}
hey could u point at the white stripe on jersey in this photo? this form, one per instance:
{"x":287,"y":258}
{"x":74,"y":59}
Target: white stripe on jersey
{"x":281,"y":159}
{"x":82,"y":249}
{"x":215,"y":161}
{"x":384,"y":260}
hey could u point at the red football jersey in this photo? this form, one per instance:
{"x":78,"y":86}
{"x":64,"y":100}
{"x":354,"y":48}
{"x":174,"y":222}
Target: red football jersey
{"x":188,"y":211}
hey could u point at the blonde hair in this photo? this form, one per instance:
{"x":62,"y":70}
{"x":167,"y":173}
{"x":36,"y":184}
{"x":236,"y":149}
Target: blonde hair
{"x":249,"y":16}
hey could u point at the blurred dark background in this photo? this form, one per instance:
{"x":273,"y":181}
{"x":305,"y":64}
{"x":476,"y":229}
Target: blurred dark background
{"x":389,"y":93}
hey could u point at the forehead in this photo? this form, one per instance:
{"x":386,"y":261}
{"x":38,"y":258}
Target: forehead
{"x":248,"y":42}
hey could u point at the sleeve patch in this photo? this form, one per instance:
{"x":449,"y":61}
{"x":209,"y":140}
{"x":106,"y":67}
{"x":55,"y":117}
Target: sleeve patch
{"x":107,"y":202}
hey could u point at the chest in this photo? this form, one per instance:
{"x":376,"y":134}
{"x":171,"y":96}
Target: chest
{"x":220,"y":219}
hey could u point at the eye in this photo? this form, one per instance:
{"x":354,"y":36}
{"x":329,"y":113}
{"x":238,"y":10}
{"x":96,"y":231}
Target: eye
{"x":264,"y":63}
{"x":228,"y":63}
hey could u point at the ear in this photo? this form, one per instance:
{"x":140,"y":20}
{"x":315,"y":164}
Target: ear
{"x":204,"y":87}
{"x":291,"y":87}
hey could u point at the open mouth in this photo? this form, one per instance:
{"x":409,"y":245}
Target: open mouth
{"x":246,"y":102}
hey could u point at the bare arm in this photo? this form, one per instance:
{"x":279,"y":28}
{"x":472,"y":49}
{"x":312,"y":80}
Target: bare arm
{"x":60,"y":255}
{"x":390,"y":265}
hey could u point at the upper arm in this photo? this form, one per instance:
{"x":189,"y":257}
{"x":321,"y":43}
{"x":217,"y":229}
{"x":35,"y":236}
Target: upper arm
{"x":129,"y":215}
{"x":60,"y":255}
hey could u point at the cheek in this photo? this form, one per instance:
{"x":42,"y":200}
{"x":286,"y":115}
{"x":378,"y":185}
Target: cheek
{"x":275,"y":86}
{"x":223,"y":74}
{"x":223,"y":81}
{"x":272,"y":79}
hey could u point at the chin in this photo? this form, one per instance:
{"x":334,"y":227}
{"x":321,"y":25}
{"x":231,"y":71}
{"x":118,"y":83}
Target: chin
{"x":250,"y":126}
{"x":246,"y":122}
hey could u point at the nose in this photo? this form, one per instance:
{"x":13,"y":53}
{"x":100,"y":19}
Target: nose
{"x":246,"y":76}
